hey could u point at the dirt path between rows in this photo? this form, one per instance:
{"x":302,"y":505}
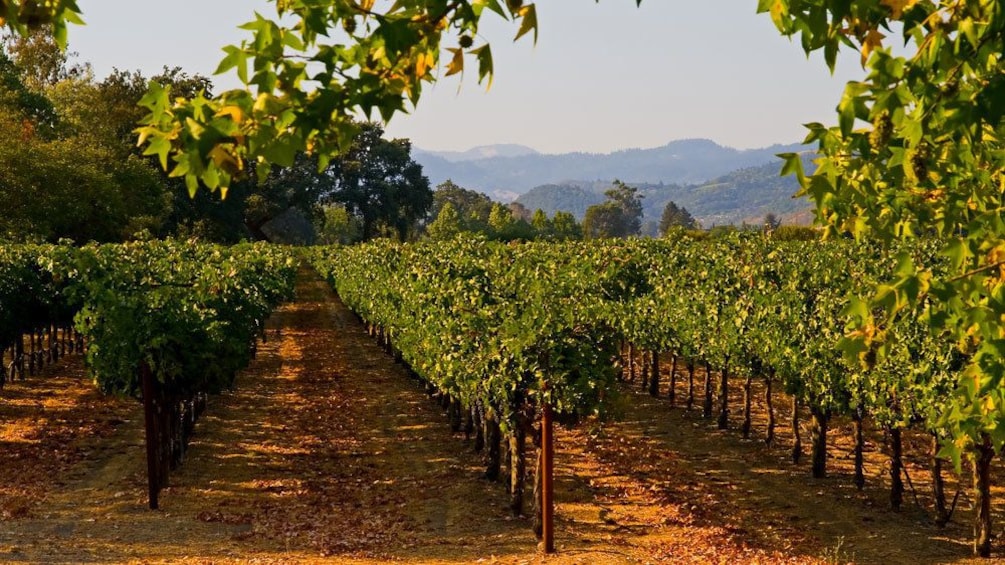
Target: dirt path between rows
{"x":327,"y":452}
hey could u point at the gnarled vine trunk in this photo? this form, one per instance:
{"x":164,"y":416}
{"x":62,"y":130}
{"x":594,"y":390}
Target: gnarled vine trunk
{"x":479,"y":425}
{"x":689,"y":402}
{"x":454,"y":414}
{"x":818,"y":431}
{"x":518,"y":469}
{"x":856,"y":421}
{"x":469,"y":422}
{"x":654,"y":374}
{"x":631,"y":362}
{"x":938,"y":485}
{"x":645,"y":370}
{"x":723,"y":421}
{"x":896,"y":469}
{"x":493,"y":437}
{"x":982,"y":486}
{"x":672,"y":393}
{"x":747,"y":402}
{"x":769,"y":434}
{"x":706,"y":409}
{"x":797,"y":442}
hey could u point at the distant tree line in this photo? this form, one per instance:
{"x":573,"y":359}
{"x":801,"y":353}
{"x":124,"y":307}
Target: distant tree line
{"x":456,"y":210}
{"x":70,"y":167}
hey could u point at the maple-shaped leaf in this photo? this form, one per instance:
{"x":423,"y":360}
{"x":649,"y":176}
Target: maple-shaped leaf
{"x":872,"y":40}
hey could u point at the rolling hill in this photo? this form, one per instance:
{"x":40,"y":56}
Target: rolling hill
{"x":507,"y":171}
{"x":743,"y":195}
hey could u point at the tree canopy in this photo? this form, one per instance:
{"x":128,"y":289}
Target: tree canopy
{"x":676,"y":216}
{"x":918,"y":151}
{"x":377,"y":181}
{"x":619,"y":216}
{"x":472,"y":207}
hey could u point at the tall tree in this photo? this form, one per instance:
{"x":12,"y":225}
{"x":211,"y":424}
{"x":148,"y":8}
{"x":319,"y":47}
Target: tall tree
{"x":59,"y":177}
{"x":771,"y":221}
{"x":378,"y":181}
{"x":565,"y":226}
{"x":676,"y":216}
{"x":42,"y":61}
{"x":471,"y":206}
{"x":35,"y":111}
{"x":619,"y":216}
{"x":542,"y":225}
{"x":447,"y":223}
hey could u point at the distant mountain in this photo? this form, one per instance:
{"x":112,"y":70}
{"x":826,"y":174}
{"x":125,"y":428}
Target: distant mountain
{"x":481,"y":152}
{"x":743,"y":195}
{"x":679,"y":162}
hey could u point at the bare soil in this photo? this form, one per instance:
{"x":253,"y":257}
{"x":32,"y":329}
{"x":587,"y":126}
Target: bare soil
{"x":326,"y":451}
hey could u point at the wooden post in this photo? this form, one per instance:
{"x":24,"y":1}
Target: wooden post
{"x":547,"y":486}
{"x":152,"y":437}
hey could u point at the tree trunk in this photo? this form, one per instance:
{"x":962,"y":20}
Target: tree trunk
{"x":938,"y":486}
{"x":21,"y":358}
{"x":654,"y":374}
{"x":493,"y":439}
{"x":856,"y":421}
{"x":505,"y":455}
{"x":518,"y":469}
{"x":631,"y":362}
{"x":672,"y":393}
{"x":479,"y":422}
{"x":689,"y":402}
{"x":706,"y":409}
{"x":454,"y":413}
{"x":469,"y":422}
{"x":622,"y":359}
{"x":896,"y":469}
{"x":982,"y":486}
{"x":819,"y":435}
{"x":31,"y":352}
{"x":723,"y":422}
{"x":747,"y":401}
{"x":645,"y":370}
{"x":769,"y":435}
{"x":797,"y":442}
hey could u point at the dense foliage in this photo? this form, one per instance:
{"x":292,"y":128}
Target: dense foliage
{"x":917,"y":150}
{"x":486,"y":322}
{"x":618,"y":216}
{"x":29,"y":297}
{"x":489,"y":324}
{"x":191,"y":312}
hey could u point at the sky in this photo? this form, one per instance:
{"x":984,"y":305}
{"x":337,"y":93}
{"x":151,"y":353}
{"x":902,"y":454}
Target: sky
{"x":602,"y":77}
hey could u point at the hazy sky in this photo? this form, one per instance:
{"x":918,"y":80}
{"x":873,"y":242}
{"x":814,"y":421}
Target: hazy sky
{"x":602,"y":76}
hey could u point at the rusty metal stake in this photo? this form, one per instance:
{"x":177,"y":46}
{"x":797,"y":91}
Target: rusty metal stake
{"x":547,"y":485}
{"x":152,"y":439}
